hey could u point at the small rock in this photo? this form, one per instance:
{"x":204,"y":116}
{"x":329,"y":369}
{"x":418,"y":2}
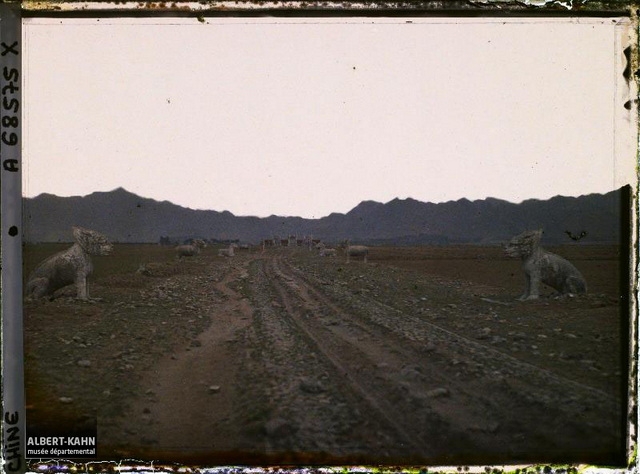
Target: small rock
{"x":214,"y":388}
{"x":84,"y":363}
{"x":412,"y":372}
{"x":65,"y":400}
{"x":311,"y":386}
{"x":438,"y":393}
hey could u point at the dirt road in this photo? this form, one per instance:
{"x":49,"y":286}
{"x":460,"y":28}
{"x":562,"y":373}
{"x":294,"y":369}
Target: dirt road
{"x":286,"y":357}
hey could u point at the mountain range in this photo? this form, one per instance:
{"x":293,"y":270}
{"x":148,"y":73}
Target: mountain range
{"x":127,"y":218}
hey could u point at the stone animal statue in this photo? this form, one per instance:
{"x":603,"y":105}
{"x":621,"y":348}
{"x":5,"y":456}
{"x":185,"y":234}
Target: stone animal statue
{"x":541,"y":266}
{"x":190,"y":250}
{"x":228,"y":252}
{"x":69,"y":266}
{"x":355,"y":251}
{"x":327,"y":252}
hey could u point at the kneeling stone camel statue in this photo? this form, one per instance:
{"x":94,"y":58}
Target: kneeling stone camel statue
{"x":542,"y":266}
{"x":69,"y":266}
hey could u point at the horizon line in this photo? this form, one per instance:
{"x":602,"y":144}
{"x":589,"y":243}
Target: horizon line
{"x":121,"y":188}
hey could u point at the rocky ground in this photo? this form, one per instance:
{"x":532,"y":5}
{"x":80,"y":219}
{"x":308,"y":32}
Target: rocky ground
{"x":420,"y":356}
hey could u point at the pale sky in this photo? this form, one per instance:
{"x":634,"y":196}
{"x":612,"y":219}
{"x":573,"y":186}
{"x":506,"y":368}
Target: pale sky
{"x":305,"y":117}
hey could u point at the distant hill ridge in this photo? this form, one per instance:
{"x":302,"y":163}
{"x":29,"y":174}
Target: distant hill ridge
{"x":127,"y":217}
